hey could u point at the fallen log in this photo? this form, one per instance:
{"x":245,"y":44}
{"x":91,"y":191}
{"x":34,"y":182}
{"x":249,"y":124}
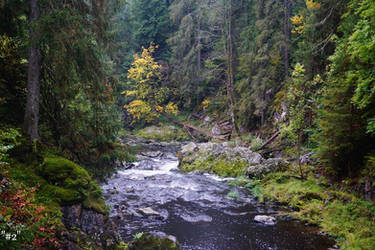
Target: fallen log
{"x":198,"y":130}
{"x":273,"y":137}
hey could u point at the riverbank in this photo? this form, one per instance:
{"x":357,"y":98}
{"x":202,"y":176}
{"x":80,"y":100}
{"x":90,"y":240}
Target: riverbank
{"x":48,"y":201}
{"x":339,"y":213}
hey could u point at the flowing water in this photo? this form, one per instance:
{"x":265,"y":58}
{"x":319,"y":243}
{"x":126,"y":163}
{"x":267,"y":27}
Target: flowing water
{"x":196,"y":208}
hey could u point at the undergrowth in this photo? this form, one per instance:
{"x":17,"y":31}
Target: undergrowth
{"x":34,"y":185}
{"x":339,"y":212}
{"x":348,"y":218}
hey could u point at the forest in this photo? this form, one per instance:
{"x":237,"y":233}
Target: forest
{"x":118,"y":116}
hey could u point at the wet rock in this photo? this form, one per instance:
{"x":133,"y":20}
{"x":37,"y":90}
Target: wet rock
{"x":267,"y":166}
{"x":155,"y":240}
{"x":148,"y":211}
{"x":128,"y":165}
{"x":145,"y":165}
{"x":132,"y":212}
{"x":189,"y":148}
{"x":162,"y":235}
{"x":265,"y":219}
{"x":99,"y":229}
{"x":198,"y":219}
{"x":152,"y":154}
{"x":193,"y":151}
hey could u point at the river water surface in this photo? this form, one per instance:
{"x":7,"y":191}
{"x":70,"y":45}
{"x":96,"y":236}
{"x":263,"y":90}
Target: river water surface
{"x":153,"y":195}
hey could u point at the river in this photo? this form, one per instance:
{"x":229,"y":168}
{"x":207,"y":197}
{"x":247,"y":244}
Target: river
{"x":153,"y":195}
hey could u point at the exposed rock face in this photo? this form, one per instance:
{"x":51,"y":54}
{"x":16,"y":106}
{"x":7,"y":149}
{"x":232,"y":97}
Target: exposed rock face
{"x":266,"y":220}
{"x":96,"y":228}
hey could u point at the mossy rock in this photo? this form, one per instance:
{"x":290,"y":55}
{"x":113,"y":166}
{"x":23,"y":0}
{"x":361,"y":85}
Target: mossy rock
{"x":62,"y":172}
{"x":69,"y":183}
{"x":216,"y":165}
{"x":150,"y":242}
{"x":162,"y":133}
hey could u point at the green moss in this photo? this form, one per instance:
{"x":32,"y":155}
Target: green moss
{"x":338,"y":213}
{"x":220,"y":166}
{"x":233,"y":195}
{"x":68,"y":183}
{"x":162,"y":133}
{"x":148,"y":242}
{"x":95,"y":202}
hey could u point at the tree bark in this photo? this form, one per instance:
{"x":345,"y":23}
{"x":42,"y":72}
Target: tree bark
{"x":31,"y":118}
{"x":287,"y":34}
{"x":273,"y":137}
{"x":199,"y":39}
{"x":230,"y":77}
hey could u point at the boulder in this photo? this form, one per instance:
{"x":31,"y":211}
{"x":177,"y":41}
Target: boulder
{"x":155,"y":240}
{"x":265,"y":219}
{"x":267,"y":166}
{"x":152,"y":154}
{"x":95,"y":227}
{"x":148,"y":211}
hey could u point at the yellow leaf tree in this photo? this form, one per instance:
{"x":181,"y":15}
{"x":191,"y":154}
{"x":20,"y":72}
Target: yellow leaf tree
{"x":150,"y":95}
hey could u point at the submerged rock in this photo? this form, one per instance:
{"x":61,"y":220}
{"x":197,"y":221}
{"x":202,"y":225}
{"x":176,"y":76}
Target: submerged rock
{"x":265,"y":219}
{"x":198,"y":219}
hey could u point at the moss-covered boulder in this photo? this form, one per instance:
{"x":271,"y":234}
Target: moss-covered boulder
{"x":218,"y":158}
{"x":69,"y":183}
{"x":163,"y":133}
{"x":154,"y":241}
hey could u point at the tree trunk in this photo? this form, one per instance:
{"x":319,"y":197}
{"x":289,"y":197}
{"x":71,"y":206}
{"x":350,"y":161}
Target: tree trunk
{"x":33,"y":77}
{"x":230,"y":77}
{"x":299,"y":138}
{"x":199,"y":39}
{"x":287,"y":34}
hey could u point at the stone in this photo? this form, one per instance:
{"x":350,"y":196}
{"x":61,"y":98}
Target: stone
{"x":148,"y":211}
{"x":206,"y":120}
{"x":155,"y":240}
{"x":265,"y":219}
{"x":193,"y":151}
{"x":152,"y":154}
{"x":267,"y":166}
{"x":216,"y":130}
{"x":189,"y":148}
{"x":96,"y":228}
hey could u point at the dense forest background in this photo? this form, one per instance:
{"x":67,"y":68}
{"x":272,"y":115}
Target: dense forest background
{"x":75,"y":75}
{"x":305,"y":68}
{"x":302,"y":67}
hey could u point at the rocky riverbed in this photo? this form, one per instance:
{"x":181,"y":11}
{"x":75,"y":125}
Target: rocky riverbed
{"x":199,"y":210}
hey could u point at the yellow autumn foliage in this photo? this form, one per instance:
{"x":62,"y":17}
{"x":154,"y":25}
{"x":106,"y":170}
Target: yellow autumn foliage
{"x":298,"y":21}
{"x":312,"y":5}
{"x":171,"y":108}
{"x":206,"y":102}
{"x":146,"y":85}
